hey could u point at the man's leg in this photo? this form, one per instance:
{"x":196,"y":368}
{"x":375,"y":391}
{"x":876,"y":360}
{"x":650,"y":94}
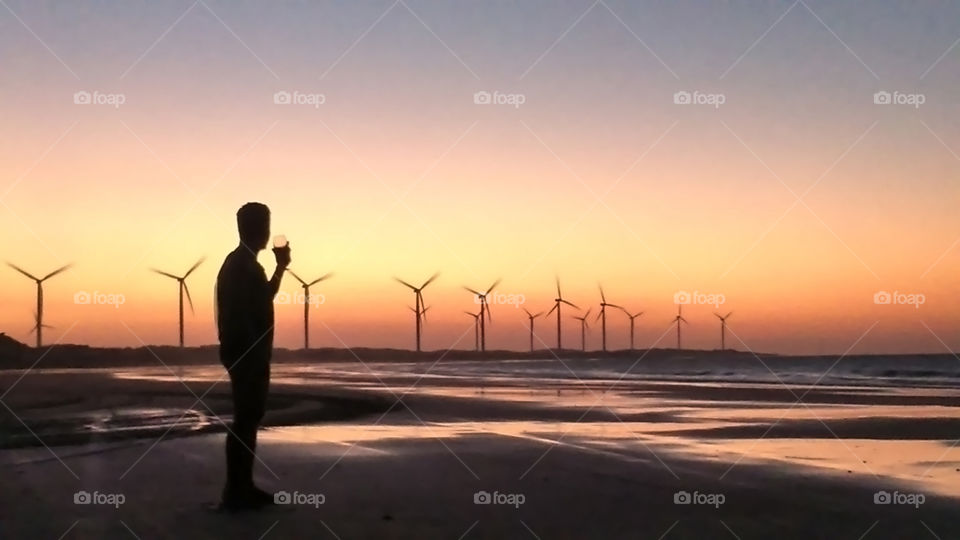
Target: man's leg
{"x":249,"y":399}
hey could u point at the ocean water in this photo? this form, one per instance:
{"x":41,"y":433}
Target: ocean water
{"x":886,"y":370}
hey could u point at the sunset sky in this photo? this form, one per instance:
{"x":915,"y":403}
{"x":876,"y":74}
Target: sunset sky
{"x":797,"y":199}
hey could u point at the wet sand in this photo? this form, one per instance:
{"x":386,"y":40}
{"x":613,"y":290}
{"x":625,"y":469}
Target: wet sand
{"x":601,"y":459}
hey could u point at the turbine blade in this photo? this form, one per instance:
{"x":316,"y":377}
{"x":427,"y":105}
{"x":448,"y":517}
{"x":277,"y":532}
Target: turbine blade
{"x":602,"y":297}
{"x":553,"y":308}
{"x":495,"y":283}
{"x":621,"y":308}
{"x":162,"y":273}
{"x":728,"y":314}
{"x":22,"y":271}
{"x":405,"y":283}
{"x":717,"y":315}
{"x":558,"y":288}
{"x":474,"y":315}
{"x":473,"y":291}
{"x":614,"y":306}
{"x":587,"y":314}
{"x":63,"y":268}
{"x":527,"y":312}
{"x":194,"y":267}
{"x":571,"y":304}
{"x":328,"y":275}
{"x":537,"y":315}
{"x":429,"y":281}
{"x":598,"y":315}
{"x":189,"y":300}
{"x":294,"y":274}
{"x":489,"y":316}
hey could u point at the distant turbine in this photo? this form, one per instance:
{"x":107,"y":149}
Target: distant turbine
{"x":484,"y":308}
{"x":603,"y":315}
{"x":723,"y":330}
{"x":556,"y":306}
{"x":306,"y":303}
{"x":38,"y":318}
{"x":583,"y":330}
{"x":678,"y":319}
{"x":182,"y":280}
{"x":476,"y":329}
{"x":632,"y":318}
{"x":418,"y":293}
{"x":531,"y":316}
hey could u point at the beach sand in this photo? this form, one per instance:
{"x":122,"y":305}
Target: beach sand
{"x":598,"y":459}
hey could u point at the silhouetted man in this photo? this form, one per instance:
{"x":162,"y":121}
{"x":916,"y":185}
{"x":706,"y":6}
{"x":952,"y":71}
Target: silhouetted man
{"x":245,"y":327}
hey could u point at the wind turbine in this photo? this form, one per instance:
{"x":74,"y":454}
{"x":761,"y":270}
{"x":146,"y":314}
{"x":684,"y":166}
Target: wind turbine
{"x":182,"y":280}
{"x":418,"y":293}
{"x":632,"y":318}
{"x":723,"y":330}
{"x":484,"y":308}
{"x":531,"y":316}
{"x":556,"y":306}
{"x":603,"y":315}
{"x":306,"y":303}
{"x":679,"y":319}
{"x":39,"y":281}
{"x":476,"y":329}
{"x":583,"y":330}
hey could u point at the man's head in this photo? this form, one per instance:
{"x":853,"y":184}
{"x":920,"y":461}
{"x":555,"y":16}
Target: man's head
{"x":253,"y":222}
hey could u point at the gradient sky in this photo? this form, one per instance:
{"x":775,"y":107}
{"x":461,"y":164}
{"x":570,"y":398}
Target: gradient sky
{"x":597,"y":178}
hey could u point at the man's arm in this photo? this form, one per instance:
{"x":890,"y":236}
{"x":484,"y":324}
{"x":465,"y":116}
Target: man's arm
{"x":274,"y":284}
{"x":283,"y":261}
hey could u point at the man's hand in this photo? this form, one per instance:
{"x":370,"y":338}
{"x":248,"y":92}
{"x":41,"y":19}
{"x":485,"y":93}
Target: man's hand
{"x":283,"y":256}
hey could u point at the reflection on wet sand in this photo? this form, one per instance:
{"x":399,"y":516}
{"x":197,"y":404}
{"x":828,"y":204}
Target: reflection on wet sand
{"x":902,"y":434}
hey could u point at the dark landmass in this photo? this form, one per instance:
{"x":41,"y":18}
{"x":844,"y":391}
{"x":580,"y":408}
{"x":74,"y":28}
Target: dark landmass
{"x":16,"y":355}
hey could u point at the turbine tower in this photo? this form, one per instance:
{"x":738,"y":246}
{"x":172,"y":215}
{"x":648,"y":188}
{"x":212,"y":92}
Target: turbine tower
{"x":679,"y":319}
{"x":182,"y":281}
{"x":418,"y":301}
{"x":603,"y":315}
{"x":531,"y":316}
{"x":583,"y":330}
{"x":476,"y":330}
{"x":723,"y":330}
{"x":38,"y":317}
{"x":484,"y":308}
{"x":306,"y":303}
{"x":632,"y":319}
{"x":556,"y":307}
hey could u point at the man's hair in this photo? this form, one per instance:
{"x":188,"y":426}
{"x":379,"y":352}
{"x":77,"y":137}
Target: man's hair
{"x":252,"y":219}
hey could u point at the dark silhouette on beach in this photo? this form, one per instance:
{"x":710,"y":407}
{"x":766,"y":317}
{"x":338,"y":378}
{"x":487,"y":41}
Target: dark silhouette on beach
{"x":244,"y":303}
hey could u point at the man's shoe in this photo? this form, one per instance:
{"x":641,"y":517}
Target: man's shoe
{"x":239,"y":501}
{"x":264,"y":498}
